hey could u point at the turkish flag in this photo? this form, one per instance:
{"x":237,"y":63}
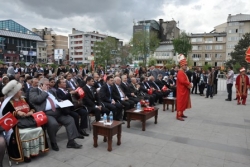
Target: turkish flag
{"x":80,"y":92}
{"x":150,"y":91}
{"x":40,"y":118}
{"x":164,"y":88}
{"x":8,"y":121}
{"x":247,"y":58}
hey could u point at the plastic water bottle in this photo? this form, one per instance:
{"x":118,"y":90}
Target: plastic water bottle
{"x":170,"y":94}
{"x":138,"y":106}
{"x":111,"y":117}
{"x":105,"y":119}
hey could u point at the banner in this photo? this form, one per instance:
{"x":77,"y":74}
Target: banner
{"x":8,"y":121}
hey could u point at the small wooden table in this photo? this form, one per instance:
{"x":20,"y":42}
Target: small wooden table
{"x":108,"y":131}
{"x":169,"y":101}
{"x":142,"y":116}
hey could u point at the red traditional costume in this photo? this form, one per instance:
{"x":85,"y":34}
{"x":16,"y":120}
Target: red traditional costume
{"x":183,"y":90}
{"x":242,"y":84}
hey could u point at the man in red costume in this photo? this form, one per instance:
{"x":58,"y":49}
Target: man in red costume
{"x":242,"y":85}
{"x":183,"y":89}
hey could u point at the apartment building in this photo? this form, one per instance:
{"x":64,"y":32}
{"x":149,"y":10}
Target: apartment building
{"x":235,"y":27}
{"x":208,"y":48}
{"x":53,"y":42}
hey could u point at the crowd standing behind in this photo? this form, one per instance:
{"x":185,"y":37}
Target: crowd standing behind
{"x":113,"y":90}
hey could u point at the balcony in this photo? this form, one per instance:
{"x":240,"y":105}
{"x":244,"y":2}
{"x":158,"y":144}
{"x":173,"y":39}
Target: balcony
{"x":196,"y":59}
{"x":208,"y":59}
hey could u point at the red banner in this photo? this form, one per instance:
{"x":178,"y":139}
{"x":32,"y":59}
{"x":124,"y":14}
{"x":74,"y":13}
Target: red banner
{"x":8,"y":121}
{"x":80,"y":92}
{"x":247,"y":58}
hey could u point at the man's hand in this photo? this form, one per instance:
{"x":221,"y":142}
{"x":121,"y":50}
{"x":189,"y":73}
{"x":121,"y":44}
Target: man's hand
{"x":113,"y":101}
{"x":72,"y":92}
{"x":44,"y":87}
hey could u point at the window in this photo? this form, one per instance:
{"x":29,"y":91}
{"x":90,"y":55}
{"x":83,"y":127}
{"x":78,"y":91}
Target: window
{"x":208,"y":47}
{"x":195,"y":47}
{"x":217,"y":55}
{"x":240,"y":30}
{"x":208,"y":55}
{"x":220,"y":39}
{"x":196,"y":40}
{"x":218,"y":47}
{"x":196,"y":56}
{"x":208,"y":40}
{"x":229,"y":31}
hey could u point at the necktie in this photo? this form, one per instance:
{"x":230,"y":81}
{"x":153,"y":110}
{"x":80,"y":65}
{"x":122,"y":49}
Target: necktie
{"x":110,"y":92}
{"x":92,"y":91}
{"x":156,"y":86}
{"x":120,"y":90}
{"x":52,"y":104}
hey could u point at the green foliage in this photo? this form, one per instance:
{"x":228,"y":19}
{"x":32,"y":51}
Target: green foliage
{"x":141,"y":64}
{"x":206,"y":66}
{"x":182,"y":44}
{"x":238,"y":55}
{"x":151,"y":61}
{"x":105,"y":51}
{"x":237,"y":67}
{"x":144,"y":44}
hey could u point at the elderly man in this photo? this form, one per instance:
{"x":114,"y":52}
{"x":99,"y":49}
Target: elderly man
{"x":43,"y":100}
{"x":242,"y":85}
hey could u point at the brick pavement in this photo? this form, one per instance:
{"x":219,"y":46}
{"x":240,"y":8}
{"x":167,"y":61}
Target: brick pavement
{"x":215,"y":134}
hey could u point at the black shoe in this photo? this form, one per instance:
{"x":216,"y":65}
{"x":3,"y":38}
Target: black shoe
{"x":184,"y":116}
{"x":83,"y":132}
{"x":26,"y":159}
{"x":228,"y":100}
{"x":124,"y":119}
{"x":235,"y":99}
{"x":54,"y":146}
{"x":73,"y":144}
{"x":80,"y":137}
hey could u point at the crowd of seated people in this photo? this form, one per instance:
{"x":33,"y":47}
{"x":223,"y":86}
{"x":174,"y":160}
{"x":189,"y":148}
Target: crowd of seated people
{"x":40,"y":89}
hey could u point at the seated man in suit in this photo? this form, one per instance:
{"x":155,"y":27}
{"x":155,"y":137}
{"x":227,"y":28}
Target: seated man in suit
{"x":156,"y":89}
{"x":120,"y":96}
{"x":107,"y":98}
{"x":139,"y":92}
{"x":63,"y":94}
{"x":92,"y":101}
{"x":98,"y":82}
{"x":70,"y":85}
{"x":125,"y":87}
{"x":42,"y":100}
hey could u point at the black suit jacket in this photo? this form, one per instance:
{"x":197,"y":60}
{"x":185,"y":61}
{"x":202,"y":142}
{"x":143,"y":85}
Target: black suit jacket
{"x":84,"y":73}
{"x":105,"y":94}
{"x":71,"y":70}
{"x":125,"y":89}
{"x":97,"y":83}
{"x":90,"y":99}
{"x":25,"y":87}
{"x":142,"y":88}
{"x":159,"y":83}
{"x":153,"y":85}
{"x":189,"y":75}
{"x":116,"y":93}
{"x":62,"y":96}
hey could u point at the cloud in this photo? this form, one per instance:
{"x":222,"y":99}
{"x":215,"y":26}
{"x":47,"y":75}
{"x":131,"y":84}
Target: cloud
{"x":115,"y":17}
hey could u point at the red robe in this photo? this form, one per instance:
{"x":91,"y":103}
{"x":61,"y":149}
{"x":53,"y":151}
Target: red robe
{"x":242,"y":84}
{"x":183,"y":92}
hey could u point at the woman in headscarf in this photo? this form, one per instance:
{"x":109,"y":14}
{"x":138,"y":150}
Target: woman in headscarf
{"x":26,"y":142}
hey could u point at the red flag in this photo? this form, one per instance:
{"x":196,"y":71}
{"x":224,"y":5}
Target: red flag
{"x":164,"y":88}
{"x":40,"y":118}
{"x":247,"y":57}
{"x":8,"y":121}
{"x":150,"y":91}
{"x":80,"y":92}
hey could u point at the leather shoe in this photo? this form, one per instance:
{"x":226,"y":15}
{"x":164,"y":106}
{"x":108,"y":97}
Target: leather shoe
{"x":184,"y":116}
{"x":54,"y":146}
{"x":227,"y":99}
{"x":73,"y":144}
{"x":80,"y":137}
{"x":83,"y":132}
{"x":27,"y":160}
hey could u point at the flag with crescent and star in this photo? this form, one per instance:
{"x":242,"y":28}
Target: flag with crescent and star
{"x":8,"y":121}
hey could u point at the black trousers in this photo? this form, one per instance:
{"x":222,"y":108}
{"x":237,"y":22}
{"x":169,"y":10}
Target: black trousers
{"x":84,"y":118}
{"x":229,"y":91}
{"x":115,"y":108}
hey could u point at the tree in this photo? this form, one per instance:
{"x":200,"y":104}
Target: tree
{"x":238,"y":55}
{"x":182,"y":44}
{"x":144,"y":44}
{"x":151,"y":61}
{"x":105,"y":51}
{"x":125,"y":54}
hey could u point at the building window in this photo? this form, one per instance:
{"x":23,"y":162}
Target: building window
{"x":208,"y":55}
{"x":196,"y":56}
{"x":218,"y":47}
{"x":208,"y":40}
{"x":195,"y":47}
{"x":208,"y":47}
{"x":217,"y":55}
{"x":196,"y":39}
{"x":220,"y":39}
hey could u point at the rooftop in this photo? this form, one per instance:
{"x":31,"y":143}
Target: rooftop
{"x":238,"y":17}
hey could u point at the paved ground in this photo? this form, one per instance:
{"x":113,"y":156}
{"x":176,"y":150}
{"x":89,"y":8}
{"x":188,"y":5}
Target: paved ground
{"x":215,"y":134}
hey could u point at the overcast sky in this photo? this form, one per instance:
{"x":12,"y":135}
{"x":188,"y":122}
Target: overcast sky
{"x":116,"y":17}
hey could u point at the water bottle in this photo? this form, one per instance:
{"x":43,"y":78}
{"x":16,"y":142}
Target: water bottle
{"x":171,"y":94}
{"x":138,"y":107}
{"x":105,"y":119}
{"x":111,"y":117}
